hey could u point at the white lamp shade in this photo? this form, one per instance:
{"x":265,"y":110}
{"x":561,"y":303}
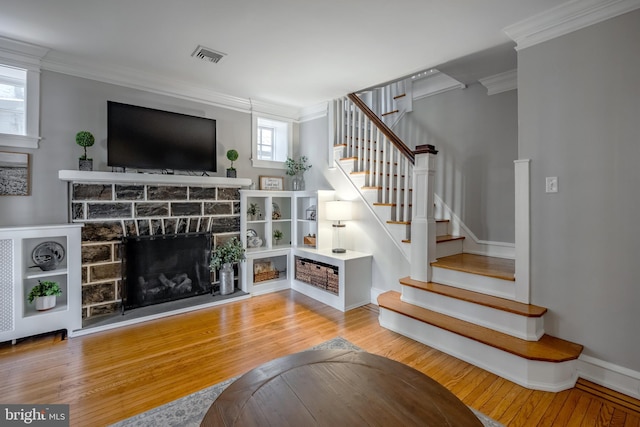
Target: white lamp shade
{"x":338,"y":210}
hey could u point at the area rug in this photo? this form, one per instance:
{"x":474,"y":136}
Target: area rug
{"x":190,"y":410}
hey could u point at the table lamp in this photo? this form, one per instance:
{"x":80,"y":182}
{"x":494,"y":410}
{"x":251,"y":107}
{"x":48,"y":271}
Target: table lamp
{"x":338,"y":210}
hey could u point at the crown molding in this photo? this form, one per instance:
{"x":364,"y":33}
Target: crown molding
{"x":434,"y":84}
{"x":501,"y":82}
{"x":21,"y":53}
{"x":282,"y":111}
{"x":314,"y":112}
{"x":136,"y":79}
{"x":566,"y":18}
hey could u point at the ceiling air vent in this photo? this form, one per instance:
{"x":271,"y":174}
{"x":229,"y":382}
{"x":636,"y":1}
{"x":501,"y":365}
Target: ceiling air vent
{"x":208,"y":54}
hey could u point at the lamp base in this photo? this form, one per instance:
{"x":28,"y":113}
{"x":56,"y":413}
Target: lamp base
{"x":338,"y":251}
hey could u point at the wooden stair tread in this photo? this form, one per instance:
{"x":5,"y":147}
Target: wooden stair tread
{"x":399,"y":222}
{"x":442,"y":238}
{"x":499,"y":268}
{"x":393,"y":205}
{"x":546,"y":349}
{"x":448,"y":238}
{"x":510,"y":306}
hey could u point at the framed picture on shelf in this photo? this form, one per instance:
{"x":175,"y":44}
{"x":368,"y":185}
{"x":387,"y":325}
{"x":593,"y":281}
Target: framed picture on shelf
{"x":310,"y":213}
{"x":271,"y":183}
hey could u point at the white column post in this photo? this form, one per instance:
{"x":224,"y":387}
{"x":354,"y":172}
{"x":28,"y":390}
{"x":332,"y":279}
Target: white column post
{"x":522,"y":232}
{"x":423,"y":223}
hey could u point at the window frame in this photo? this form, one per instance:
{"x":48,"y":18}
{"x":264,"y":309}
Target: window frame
{"x":26,"y":57}
{"x":272,"y":164}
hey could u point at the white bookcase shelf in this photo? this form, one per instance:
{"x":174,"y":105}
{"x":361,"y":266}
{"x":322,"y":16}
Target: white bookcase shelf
{"x":18,"y":274}
{"x":300,"y":215}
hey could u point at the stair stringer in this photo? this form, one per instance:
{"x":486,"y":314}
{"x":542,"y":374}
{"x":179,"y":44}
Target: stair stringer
{"x":532,"y":374}
{"x":398,"y":243}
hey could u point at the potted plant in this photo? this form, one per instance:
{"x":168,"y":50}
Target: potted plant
{"x":232,"y":155}
{"x":296,"y":169}
{"x":223,"y":257}
{"x":277,"y":236}
{"x":253,"y":211}
{"x":85,"y":139}
{"x":44,"y":294}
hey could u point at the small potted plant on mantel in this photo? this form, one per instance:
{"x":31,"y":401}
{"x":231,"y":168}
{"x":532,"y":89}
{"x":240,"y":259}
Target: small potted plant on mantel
{"x":44,"y":294}
{"x":85,"y":139}
{"x":232,"y":155}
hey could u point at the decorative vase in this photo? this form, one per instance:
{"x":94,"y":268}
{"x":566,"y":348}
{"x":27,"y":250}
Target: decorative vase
{"x":226,"y":279}
{"x":85,"y":165}
{"x":45,"y":303}
{"x":298,"y":182}
{"x":231,"y":173}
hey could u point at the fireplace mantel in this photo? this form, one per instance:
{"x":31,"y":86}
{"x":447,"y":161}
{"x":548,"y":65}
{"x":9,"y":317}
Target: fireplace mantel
{"x":149,"y":178}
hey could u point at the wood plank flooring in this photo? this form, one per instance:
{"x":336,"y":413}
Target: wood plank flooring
{"x":112,"y":375}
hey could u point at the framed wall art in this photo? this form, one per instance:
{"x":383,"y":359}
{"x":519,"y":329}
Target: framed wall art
{"x":14,"y":174}
{"x":271,"y":183}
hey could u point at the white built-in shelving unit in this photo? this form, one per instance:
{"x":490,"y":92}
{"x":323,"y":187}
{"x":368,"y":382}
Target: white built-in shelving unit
{"x":301,"y":217}
{"x":19,"y":273}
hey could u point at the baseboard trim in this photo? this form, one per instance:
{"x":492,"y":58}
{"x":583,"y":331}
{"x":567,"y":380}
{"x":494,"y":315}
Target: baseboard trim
{"x":609,"y":375}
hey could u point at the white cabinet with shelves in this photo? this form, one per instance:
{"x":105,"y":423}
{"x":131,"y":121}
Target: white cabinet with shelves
{"x":294,"y":218}
{"x":19,"y":274}
{"x":354,"y":277}
{"x":262,"y":248}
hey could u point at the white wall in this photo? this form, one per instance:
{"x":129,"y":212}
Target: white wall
{"x":477,"y":138}
{"x":70,"y":104}
{"x":579,"y":103}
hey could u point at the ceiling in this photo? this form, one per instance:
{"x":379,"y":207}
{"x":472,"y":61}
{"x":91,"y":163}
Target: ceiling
{"x":296,"y":53}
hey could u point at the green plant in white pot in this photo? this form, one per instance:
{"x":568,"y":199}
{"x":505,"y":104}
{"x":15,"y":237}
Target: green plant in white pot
{"x":232,"y":155}
{"x":223,"y":257}
{"x":44,"y":294}
{"x":253,"y":211}
{"x":85,"y":139}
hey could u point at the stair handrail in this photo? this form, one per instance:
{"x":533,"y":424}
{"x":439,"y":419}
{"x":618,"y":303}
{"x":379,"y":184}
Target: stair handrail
{"x":393,"y":138}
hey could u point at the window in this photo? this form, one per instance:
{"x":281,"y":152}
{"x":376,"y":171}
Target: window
{"x":272,"y":141}
{"x":13,"y":84}
{"x":20,"y":93}
{"x":265,"y":142}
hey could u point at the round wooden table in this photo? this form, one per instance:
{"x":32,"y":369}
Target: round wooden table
{"x":337,"y":388}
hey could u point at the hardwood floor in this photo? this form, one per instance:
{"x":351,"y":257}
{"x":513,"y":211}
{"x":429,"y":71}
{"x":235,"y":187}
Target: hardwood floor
{"x":112,"y":375}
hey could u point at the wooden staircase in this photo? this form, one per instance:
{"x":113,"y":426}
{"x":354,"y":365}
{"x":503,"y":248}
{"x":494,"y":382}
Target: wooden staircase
{"x":500,"y":335}
{"x":466,"y":307}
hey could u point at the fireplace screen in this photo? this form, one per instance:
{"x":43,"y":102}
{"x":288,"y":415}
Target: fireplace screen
{"x":161,"y":268}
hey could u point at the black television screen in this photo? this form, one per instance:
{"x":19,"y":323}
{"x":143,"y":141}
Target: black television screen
{"x":144,"y":138}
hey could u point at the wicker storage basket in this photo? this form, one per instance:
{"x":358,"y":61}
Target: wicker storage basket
{"x":318,"y":274}
{"x":265,"y":275}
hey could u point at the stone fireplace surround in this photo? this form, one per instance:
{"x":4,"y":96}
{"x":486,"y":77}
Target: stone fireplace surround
{"x":113,"y":205}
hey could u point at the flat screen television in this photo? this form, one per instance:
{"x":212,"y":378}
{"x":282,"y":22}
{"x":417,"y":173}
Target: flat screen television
{"x":144,"y":138}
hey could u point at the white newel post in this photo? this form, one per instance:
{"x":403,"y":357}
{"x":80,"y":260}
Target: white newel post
{"x":423,"y":223}
{"x":522,"y":233}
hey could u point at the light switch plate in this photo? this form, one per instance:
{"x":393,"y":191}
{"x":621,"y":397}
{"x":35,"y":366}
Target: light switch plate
{"x":551,"y":184}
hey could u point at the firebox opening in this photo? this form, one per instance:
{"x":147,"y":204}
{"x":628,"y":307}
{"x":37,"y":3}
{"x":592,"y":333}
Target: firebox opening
{"x":163,"y":268}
